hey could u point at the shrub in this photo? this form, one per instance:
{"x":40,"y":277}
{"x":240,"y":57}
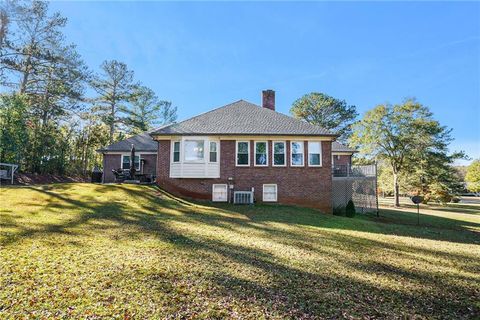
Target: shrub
{"x":350,"y":209}
{"x":339,"y":211}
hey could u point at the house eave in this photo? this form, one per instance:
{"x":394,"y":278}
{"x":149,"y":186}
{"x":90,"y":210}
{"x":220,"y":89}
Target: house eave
{"x":163,"y":136}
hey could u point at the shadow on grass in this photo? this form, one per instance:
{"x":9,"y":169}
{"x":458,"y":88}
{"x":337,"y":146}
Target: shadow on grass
{"x":292,"y":291}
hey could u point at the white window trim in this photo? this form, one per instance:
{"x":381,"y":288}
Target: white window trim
{"x":218,"y":151}
{"x":182,"y":148}
{"x":255,"y":154}
{"x":173,"y":151}
{"x":291,"y":154}
{"x":213,"y":188}
{"x":139,"y":162}
{"x":236,"y":153}
{"x":320,"y":154}
{"x":284,"y":154}
{"x":276,"y":192}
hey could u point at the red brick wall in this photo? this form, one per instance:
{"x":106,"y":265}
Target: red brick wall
{"x":342,"y":160}
{"x":150,"y":163}
{"x":113,"y":161}
{"x":305,"y":186}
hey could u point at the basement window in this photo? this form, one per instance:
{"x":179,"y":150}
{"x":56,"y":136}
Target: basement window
{"x":269,"y":193}
{"x":219,"y":193}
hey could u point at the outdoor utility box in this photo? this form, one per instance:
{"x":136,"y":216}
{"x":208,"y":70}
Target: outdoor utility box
{"x":97,"y":175}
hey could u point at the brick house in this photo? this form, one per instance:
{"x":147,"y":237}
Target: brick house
{"x":117,"y":156}
{"x":341,"y":155}
{"x":239,"y":147}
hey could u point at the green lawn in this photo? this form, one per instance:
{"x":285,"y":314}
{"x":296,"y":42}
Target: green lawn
{"x":97,"y":251}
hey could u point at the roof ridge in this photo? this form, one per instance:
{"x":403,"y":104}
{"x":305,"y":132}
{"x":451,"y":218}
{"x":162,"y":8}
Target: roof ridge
{"x":297,"y":119}
{"x":238,"y":110}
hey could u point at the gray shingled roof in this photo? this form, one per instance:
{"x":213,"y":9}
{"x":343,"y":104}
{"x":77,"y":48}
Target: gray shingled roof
{"x":338,"y":147}
{"x":142,"y":142}
{"x":243,"y":118}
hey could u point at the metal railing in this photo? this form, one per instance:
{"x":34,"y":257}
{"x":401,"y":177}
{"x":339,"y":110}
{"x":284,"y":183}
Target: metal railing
{"x":354,"y":171}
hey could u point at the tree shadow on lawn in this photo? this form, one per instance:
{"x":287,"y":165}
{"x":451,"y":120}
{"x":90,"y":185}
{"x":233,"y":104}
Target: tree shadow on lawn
{"x":429,"y":222}
{"x":437,"y":228}
{"x":397,"y":223}
{"x":449,"y":207}
{"x":311,"y":293}
{"x":291,"y":291}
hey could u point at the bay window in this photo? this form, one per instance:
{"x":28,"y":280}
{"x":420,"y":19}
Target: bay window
{"x":195,"y":157}
{"x":279,"y":152}
{"x":176,"y":151}
{"x":314,"y":154}
{"x":194,"y":150}
{"x":261,"y":153}
{"x":243,"y":153}
{"x":296,"y":153}
{"x":213,"y":151}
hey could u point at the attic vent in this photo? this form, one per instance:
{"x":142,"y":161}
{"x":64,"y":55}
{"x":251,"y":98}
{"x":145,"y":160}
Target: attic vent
{"x":243,"y":197}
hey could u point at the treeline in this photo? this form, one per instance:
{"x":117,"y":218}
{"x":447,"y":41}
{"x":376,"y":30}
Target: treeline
{"x":48,"y":122}
{"x":409,"y":146}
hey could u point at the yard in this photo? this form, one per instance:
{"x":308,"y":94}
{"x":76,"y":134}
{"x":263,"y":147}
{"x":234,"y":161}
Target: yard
{"x":92,"y":251}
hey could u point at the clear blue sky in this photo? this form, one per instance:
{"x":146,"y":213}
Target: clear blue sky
{"x":204,"y":55}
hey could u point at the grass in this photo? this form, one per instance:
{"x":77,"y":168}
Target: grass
{"x":108,"y":251}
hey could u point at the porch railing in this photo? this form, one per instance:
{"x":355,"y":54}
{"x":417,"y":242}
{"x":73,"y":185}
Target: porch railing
{"x":354,"y":171}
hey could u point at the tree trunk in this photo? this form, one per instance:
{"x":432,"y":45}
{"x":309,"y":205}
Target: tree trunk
{"x":26,"y":73}
{"x":396,"y":190}
{"x":112,"y":123}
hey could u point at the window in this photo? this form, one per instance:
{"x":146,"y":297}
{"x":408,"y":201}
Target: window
{"x":176,"y":151}
{"x":194,"y":150}
{"x":213,"y":152}
{"x":314,"y":154}
{"x":297,"y":153}
{"x":279,"y":153}
{"x":219,"y":193}
{"x":126,"y":163}
{"x":243,"y":153}
{"x":261,"y":153}
{"x":269,"y":193}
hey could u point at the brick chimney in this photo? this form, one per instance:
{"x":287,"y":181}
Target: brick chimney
{"x":268,"y":99}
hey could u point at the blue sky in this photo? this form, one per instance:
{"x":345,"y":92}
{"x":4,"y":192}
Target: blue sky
{"x":202,"y":55}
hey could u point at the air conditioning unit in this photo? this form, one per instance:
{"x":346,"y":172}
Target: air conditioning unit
{"x":243,"y":197}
